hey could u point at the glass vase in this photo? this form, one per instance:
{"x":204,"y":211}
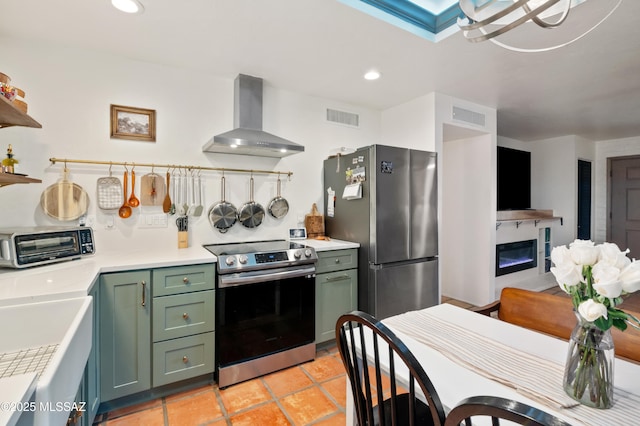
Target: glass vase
{"x":588,"y":372}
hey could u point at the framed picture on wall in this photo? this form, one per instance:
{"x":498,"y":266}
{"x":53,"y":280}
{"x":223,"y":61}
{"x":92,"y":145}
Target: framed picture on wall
{"x":137,"y":124}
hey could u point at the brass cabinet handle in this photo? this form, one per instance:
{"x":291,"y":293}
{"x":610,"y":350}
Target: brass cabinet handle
{"x":185,"y":315}
{"x":185,"y":359}
{"x":185,"y":280}
{"x":74,"y":418}
{"x":144,"y":292}
{"x":337,"y":278}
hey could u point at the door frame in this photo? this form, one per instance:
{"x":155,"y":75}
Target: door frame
{"x":609,"y":192}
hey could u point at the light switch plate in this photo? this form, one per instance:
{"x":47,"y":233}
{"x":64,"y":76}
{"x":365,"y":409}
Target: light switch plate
{"x":156,"y":220}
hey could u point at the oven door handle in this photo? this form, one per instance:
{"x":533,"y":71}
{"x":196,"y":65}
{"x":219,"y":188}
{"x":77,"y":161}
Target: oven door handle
{"x":255,"y":277}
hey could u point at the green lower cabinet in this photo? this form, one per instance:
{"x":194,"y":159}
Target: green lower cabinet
{"x":155,"y":327}
{"x":125,"y":334}
{"x":183,"y":358}
{"x":336,"y":294}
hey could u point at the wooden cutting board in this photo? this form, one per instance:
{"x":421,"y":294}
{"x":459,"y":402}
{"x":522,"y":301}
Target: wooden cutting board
{"x":314,"y":223}
{"x":64,"y":200}
{"x":152,"y":190}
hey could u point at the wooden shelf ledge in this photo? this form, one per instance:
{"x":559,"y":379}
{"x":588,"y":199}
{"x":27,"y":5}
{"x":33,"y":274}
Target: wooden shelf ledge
{"x":12,"y":116}
{"x":10,"y":179}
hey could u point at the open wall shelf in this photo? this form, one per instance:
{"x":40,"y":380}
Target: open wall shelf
{"x":12,"y":116}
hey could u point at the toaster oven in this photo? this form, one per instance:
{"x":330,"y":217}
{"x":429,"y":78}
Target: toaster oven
{"x":26,"y":247}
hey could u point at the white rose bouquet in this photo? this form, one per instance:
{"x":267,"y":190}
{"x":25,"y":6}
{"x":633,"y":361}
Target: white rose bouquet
{"x":597,"y":277}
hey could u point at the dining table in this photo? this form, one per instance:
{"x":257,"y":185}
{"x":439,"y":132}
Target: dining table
{"x":468,"y":354}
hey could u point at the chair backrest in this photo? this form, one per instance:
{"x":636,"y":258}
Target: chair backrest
{"x":554,"y":315}
{"x":500,"y":409}
{"x":365,"y":344}
{"x":543,"y":312}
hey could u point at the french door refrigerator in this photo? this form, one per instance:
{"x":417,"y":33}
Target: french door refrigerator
{"x":390,"y":208}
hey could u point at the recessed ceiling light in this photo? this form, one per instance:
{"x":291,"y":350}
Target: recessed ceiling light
{"x":128,"y":6}
{"x":372,"y":75}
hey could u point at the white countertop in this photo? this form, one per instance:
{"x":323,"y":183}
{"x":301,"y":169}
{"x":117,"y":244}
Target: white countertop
{"x":74,"y":278}
{"x":324,"y":245}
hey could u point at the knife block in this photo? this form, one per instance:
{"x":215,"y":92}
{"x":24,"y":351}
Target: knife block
{"x":183,"y":239}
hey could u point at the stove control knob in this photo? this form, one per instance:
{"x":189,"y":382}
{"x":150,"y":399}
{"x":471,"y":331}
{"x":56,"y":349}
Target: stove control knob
{"x":307,"y":253}
{"x":243,"y":259}
{"x":297,"y":254}
{"x":230,"y":260}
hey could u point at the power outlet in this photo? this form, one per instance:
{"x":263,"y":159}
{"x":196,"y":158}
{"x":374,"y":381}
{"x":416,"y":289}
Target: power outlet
{"x":86,"y":220}
{"x":157,"y":220}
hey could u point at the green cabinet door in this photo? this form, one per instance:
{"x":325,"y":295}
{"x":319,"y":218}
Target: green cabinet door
{"x":336,"y":294}
{"x":125,"y":334}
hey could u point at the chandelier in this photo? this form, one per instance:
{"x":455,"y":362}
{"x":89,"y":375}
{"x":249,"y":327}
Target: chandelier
{"x":486,"y":19}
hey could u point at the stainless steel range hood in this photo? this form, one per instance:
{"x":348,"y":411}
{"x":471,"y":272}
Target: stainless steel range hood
{"x":248,"y":138}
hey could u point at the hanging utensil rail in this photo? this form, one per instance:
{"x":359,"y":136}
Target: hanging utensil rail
{"x":55,"y":160}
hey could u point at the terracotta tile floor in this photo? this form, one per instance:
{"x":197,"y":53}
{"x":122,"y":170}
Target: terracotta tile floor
{"x":313,"y":393}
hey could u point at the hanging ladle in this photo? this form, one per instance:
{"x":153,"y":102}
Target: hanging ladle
{"x":133,"y":200}
{"x":125,"y":210}
{"x":166,"y":203}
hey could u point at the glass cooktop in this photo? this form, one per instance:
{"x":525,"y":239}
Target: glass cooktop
{"x":258,"y":255}
{"x":252,"y":247}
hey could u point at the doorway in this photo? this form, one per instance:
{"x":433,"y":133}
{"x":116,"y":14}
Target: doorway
{"x":623,"y":226}
{"x":584,"y":200}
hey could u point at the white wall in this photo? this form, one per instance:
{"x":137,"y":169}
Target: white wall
{"x":70,"y":91}
{"x":554,"y":171}
{"x":556,"y":180}
{"x":467,"y":243}
{"x":411,"y":124}
{"x":468,"y":199}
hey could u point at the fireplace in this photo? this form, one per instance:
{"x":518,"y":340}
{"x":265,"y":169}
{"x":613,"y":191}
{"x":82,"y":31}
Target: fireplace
{"x":516,"y":256}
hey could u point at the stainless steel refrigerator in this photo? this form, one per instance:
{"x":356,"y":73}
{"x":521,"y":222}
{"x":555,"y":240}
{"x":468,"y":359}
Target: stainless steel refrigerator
{"x":390,"y":208}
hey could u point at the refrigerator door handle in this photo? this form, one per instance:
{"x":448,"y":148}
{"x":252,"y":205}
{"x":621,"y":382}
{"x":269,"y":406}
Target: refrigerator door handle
{"x":378,"y":266}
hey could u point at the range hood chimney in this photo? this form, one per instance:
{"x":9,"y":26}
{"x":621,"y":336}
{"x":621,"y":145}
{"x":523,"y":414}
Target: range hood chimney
{"x":248,"y":138}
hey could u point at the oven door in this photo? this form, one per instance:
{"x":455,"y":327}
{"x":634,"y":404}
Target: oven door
{"x":259,"y":313}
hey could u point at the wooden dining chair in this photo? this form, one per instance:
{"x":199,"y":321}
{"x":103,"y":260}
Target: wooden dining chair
{"x":379,"y":399}
{"x":500,"y":409}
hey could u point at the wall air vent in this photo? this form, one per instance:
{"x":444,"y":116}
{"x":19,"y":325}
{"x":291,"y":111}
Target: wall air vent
{"x":471,"y":117}
{"x":341,"y":117}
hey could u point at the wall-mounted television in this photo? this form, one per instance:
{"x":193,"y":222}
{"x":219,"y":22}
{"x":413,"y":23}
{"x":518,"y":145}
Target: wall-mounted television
{"x":514,"y":179}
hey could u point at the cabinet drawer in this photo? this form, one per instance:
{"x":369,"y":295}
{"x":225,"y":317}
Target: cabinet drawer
{"x":183,"y":279}
{"x":183,"y":358}
{"x":180,"y":315}
{"x":336,"y":260}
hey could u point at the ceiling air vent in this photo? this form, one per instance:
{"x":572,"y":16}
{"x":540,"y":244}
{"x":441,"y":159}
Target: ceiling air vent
{"x":341,"y":117}
{"x":467,"y":116}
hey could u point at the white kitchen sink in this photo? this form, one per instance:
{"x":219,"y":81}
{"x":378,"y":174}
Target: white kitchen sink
{"x":53,"y":339}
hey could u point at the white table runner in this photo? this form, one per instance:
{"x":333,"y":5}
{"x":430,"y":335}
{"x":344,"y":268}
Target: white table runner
{"x":530,"y":375}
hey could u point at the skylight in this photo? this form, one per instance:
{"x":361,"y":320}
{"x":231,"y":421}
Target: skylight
{"x":430,"y":19}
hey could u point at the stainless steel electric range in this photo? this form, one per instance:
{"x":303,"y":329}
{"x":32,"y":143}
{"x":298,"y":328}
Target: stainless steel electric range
{"x":265,"y":308}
